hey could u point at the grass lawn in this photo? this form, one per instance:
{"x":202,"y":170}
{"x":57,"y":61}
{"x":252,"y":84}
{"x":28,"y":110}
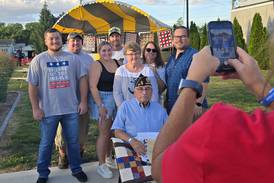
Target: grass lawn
{"x":19,"y":147}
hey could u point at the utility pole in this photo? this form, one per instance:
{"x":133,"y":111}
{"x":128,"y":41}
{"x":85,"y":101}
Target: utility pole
{"x":187,"y":14}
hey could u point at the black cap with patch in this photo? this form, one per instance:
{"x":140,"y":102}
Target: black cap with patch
{"x":142,"y":81}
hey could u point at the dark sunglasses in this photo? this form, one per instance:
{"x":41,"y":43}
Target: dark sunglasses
{"x":151,"y":50}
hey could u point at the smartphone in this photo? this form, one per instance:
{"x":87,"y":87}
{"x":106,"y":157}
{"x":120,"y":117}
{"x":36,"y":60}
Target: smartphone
{"x":222,"y":43}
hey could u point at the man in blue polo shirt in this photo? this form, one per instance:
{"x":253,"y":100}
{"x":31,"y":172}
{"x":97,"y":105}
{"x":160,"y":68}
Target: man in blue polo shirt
{"x":177,"y":69}
{"x":139,"y":115}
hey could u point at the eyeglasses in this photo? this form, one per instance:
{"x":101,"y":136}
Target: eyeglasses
{"x":180,"y":37}
{"x":151,"y":50}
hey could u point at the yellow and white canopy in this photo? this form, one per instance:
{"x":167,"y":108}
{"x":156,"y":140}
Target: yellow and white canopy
{"x":98,"y":16}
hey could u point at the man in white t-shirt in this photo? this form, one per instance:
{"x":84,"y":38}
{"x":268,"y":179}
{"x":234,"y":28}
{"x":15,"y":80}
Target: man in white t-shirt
{"x":114,"y":38}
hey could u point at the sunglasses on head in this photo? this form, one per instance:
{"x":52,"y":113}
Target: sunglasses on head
{"x":151,"y":50}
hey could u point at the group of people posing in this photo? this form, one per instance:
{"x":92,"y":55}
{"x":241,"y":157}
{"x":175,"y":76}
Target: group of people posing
{"x":122,"y":91}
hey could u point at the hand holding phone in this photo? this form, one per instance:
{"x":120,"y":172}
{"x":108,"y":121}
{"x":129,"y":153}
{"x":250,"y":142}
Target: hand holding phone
{"x":222,"y":43}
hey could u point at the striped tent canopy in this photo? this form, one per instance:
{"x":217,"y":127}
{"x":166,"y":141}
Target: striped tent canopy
{"x":98,"y":16}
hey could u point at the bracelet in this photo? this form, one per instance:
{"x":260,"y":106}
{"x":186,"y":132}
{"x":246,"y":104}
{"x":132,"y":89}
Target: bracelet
{"x":268,"y":99}
{"x":130,"y":139}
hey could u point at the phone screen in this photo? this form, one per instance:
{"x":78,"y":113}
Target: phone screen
{"x":222,"y":43}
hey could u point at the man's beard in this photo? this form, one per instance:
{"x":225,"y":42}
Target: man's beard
{"x":117,"y":44}
{"x":57,"y":49}
{"x":77,"y":51}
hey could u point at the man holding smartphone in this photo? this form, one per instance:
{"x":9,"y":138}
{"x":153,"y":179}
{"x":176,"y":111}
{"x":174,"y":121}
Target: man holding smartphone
{"x":177,"y":69}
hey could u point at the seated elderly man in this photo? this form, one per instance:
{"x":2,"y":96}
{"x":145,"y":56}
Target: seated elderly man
{"x":139,"y":115}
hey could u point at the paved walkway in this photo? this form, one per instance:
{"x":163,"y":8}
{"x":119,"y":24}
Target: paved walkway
{"x":58,"y":176}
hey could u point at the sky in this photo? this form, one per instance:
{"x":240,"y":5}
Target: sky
{"x":168,"y":11}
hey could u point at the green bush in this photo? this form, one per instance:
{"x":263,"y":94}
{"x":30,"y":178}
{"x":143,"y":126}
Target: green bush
{"x":257,"y":43}
{"x":239,"y":34}
{"x":6,"y":69}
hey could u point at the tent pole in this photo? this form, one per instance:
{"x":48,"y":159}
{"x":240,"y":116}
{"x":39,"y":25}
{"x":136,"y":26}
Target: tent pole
{"x":187,"y":14}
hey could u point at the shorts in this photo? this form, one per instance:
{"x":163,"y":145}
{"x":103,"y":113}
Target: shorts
{"x":109,"y":103}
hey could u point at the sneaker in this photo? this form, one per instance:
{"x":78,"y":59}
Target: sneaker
{"x":42,"y":180}
{"x":111,"y":163}
{"x":63,"y":162}
{"x":81,"y":176}
{"x":104,"y":171}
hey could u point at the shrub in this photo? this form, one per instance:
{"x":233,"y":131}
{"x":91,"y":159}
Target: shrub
{"x":194,"y":36}
{"x":204,"y":39}
{"x":239,"y":34}
{"x":257,"y":43}
{"x":6,"y":69}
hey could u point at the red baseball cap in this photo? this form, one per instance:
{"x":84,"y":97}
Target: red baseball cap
{"x":226,"y":145}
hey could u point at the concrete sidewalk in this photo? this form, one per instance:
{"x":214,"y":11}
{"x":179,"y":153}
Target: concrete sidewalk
{"x":58,"y":176}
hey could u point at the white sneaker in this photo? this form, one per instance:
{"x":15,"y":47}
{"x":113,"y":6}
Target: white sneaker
{"x":111,"y":163}
{"x":104,"y":171}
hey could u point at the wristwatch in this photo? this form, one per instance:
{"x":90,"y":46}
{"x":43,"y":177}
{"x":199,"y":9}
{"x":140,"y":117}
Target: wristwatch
{"x":197,"y":87}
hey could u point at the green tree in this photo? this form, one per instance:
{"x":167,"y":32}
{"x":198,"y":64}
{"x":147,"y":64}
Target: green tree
{"x":204,"y":39}
{"x":180,"y":22}
{"x":240,"y":41}
{"x":9,"y":31}
{"x":265,"y":62}
{"x":194,"y":36}
{"x":36,"y":36}
{"x":22,"y":36}
{"x":47,"y":19}
{"x":37,"y":29}
{"x":257,"y":43}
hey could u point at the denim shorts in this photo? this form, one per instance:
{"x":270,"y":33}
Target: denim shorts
{"x":109,"y":103}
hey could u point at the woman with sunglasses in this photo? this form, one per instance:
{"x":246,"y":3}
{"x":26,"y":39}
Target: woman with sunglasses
{"x":103,"y":108}
{"x":152,"y":57}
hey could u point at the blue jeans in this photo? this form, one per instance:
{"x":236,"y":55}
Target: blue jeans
{"x":48,"y":127}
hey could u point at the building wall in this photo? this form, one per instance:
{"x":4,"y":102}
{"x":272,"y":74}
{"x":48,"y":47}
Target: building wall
{"x":245,"y":16}
{"x":7,"y":49}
